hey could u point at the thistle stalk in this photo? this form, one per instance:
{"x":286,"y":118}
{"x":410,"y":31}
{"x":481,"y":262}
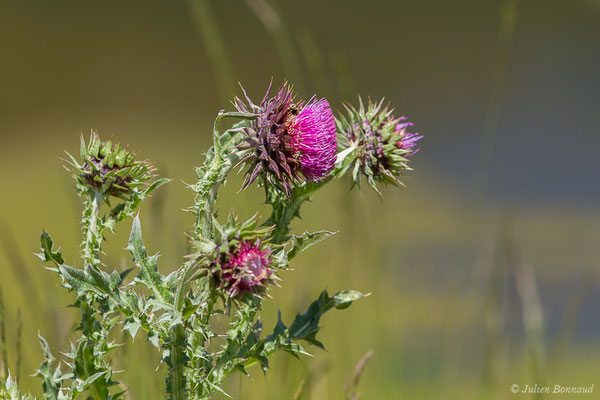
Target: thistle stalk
{"x":177,"y":381}
{"x":91,"y":256}
{"x":286,"y":209}
{"x":217,"y":166}
{"x":177,"y":358}
{"x":92,"y":234}
{"x":208,"y":184}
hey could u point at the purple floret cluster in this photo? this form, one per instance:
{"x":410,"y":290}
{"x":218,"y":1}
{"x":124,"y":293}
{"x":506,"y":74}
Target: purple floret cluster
{"x":314,"y":139}
{"x":408,"y":141}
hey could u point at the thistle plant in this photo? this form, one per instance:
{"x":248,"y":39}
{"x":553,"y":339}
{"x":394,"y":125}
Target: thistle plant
{"x":288,"y":147}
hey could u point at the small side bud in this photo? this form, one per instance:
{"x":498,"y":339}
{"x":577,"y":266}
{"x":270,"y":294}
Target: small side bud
{"x":383,"y":144}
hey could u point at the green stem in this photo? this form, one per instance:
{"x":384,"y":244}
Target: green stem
{"x":177,"y":377}
{"x":93,"y":390}
{"x":215,"y":175}
{"x":93,"y":236}
{"x":91,"y":256}
{"x":286,"y":209}
{"x":215,"y":171}
{"x":210,"y":303}
{"x":282,"y":219}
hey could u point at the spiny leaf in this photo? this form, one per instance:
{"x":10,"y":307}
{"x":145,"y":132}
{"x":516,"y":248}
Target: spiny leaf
{"x":92,"y":378}
{"x":48,"y":253}
{"x":51,"y":377}
{"x":80,"y":280}
{"x":132,"y":325}
{"x":345,"y":298}
{"x":306,"y":240}
{"x":149,"y":274}
{"x":306,"y":326}
{"x":155,"y":185}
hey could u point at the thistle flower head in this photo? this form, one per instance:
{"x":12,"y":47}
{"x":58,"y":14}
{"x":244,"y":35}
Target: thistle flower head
{"x":239,"y":261}
{"x":247,"y":267}
{"x":378,"y":144}
{"x":288,"y":142}
{"x":107,"y":168}
{"x":313,"y":138}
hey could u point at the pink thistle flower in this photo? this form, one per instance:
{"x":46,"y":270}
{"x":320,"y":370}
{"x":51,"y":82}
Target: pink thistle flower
{"x":288,"y":142}
{"x":314,"y":140}
{"x":240,"y":262}
{"x":247,"y":269}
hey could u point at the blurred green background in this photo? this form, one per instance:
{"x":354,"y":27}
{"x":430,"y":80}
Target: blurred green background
{"x":483,"y":272}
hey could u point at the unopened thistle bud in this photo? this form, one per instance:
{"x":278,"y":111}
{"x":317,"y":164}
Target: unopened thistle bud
{"x":109,"y":169}
{"x":378,"y":144}
{"x":288,"y":143}
{"x":240,"y":261}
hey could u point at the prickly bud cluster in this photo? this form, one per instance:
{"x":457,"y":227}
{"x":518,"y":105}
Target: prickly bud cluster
{"x":375,"y":144}
{"x":107,"y":168}
{"x":239,"y":260}
{"x":288,"y":143}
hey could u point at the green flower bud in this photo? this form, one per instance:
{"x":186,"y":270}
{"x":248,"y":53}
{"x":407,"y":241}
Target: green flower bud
{"x":107,"y":168}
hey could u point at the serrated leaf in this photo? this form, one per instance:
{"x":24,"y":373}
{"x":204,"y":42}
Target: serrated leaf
{"x":79,"y":280}
{"x":345,"y":298}
{"x":101,"y":279}
{"x":48,"y":253}
{"x":92,"y":378}
{"x":51,"y":376}
{"x":306,"y":326}
{"x":189,"y":310}
{"x":132,"y":325}
{"x":154,"y":338}
{"x":149,"y":274}
{"x":217,"y":389}
{"x":306,"y":240}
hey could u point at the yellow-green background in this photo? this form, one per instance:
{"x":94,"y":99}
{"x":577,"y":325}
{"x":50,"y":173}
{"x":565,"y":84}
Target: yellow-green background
{"x":505,"y":92}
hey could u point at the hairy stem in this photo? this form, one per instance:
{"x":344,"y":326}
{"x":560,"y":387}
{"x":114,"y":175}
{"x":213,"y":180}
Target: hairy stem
{"x":176,"y":373}
{"x":217,"y":166}
{"x":177,"y":381}
{"x":215,"y":174}
{"x":286,"y":209}
{"x":283,"y":214}
{"x":92,"y":241}
{"x":92,"y":234}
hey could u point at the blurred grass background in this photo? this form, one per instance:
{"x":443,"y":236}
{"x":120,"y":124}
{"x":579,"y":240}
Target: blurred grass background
{"x":483,"y":272}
